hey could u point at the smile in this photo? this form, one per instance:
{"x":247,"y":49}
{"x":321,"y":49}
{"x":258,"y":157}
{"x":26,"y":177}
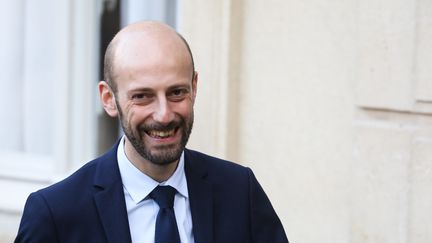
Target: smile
{"x":161,"y":134}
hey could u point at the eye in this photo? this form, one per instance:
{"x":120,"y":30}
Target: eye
{"x":141,"y":97}
{"x":137,"y":96}
{"x":178,"y":94}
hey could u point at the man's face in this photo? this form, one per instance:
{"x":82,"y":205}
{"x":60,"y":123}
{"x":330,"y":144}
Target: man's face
{"x":155,"y":97}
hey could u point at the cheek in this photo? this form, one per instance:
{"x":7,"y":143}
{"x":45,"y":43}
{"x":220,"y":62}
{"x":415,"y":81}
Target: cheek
{"x":187,"y":109}
{"x":181,"y":109}
{"x":137,"y":116}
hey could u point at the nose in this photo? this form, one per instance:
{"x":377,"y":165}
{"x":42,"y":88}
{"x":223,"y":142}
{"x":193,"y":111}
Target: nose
{"x":163,"y":112}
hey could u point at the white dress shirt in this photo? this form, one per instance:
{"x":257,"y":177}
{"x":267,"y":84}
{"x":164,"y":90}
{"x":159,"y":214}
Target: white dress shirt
{"x":142,"y":210}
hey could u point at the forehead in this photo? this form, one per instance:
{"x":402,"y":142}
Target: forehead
{"x":158,"y":56}
{"x":154,"y":49}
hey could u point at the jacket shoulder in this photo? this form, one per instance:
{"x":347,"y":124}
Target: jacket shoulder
{"x":212,"y":160}
{"x":81,"y":182}
{"x":220,"y":172}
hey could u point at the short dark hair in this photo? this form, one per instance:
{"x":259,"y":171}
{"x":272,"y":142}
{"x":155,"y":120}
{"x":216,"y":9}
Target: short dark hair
{"x":108,"y":65}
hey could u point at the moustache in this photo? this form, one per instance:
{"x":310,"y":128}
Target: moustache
{"x":161,"y":127}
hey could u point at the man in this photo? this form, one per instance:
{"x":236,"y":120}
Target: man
{"x":150,"y":85}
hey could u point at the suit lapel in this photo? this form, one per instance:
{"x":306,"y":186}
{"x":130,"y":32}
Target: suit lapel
{"x":200,"y":198}
{"x":109,"y":199}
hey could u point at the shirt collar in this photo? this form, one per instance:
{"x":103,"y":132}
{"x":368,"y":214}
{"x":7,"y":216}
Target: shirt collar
{"x":139,"y":185}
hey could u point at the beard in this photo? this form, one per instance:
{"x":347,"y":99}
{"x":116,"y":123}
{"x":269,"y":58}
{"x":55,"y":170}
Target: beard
{"x":161,"y":154}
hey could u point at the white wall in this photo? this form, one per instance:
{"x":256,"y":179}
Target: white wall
{"x":49,"y":61}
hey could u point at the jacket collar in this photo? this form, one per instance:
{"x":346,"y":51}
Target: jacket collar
{"x":200,"y":197}
{"x":109,"y":198}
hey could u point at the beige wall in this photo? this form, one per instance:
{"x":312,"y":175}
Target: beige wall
{"x":329,"y":102}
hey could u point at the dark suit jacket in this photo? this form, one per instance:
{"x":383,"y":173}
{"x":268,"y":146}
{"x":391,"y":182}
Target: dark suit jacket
{"x":227,"y":205}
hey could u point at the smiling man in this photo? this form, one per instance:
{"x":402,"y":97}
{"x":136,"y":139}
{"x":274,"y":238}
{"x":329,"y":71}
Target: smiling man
{"x":149,"y":187}
{"x":151,"y":86}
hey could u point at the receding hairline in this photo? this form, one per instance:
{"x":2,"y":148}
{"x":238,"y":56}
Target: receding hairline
{"x":139,"y":27}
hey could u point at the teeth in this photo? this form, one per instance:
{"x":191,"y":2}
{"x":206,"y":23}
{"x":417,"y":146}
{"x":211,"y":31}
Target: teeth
{"x":161,"y":134}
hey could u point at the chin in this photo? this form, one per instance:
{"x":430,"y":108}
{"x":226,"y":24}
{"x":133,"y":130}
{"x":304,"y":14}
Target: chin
{"x":164,"y":156}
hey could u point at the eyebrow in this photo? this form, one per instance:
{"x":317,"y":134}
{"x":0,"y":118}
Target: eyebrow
{"x":145,"y":89}
{"x":139,"y":90}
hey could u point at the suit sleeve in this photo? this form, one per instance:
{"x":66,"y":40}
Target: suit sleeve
{"x":37,"y":224}
{"x":265,"y":224}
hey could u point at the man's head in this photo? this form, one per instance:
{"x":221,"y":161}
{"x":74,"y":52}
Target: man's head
{"x":150,"y":84}
{"x":109,"y":74}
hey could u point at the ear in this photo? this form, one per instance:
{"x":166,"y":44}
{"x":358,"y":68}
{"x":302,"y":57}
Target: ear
{"x":108,"y":99}
{"x":194,"y":86}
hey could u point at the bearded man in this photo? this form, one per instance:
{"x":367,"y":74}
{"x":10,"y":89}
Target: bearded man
{"x":149,"y":187}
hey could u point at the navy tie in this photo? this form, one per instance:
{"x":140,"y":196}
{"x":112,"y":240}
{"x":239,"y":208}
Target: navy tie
{"x":166,"y":225}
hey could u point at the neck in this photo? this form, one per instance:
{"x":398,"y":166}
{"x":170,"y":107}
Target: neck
{"x":157,"y":172}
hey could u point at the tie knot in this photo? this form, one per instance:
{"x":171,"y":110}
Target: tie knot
{"x":164,"y":196}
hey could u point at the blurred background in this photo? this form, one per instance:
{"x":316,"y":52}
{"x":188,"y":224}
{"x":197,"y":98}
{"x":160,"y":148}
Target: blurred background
{"x":329,"y":102}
